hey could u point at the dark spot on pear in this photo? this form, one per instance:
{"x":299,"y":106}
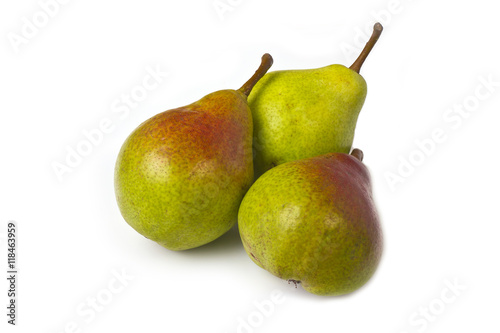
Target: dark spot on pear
{"x":253,"y":256}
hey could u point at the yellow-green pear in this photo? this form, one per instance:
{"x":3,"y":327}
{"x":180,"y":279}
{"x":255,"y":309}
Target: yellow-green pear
{"x":180,"y":176}
{"x":304,"y":113}
{"x":314,"y":222}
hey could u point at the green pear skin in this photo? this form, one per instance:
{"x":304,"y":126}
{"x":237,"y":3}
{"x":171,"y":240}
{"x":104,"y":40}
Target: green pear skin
{"x":304,"y":113}
{"x":181,"y":175}
{"x":313,"y":221}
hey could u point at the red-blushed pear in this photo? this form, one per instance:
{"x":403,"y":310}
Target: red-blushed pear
{"x":314,"y":222}
{"x":181,"y":175}
{"x":309,"y":112}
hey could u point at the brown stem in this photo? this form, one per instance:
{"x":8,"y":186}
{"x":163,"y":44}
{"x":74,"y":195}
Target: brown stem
{"x":267,"y":62}
{"x":358,"y":153}
{"x":377,"y":31}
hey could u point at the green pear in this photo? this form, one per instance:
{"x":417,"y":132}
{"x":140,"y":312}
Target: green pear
{"x":304,"y":113}
{"x":314,"y":222}
{"x":181,"y":175}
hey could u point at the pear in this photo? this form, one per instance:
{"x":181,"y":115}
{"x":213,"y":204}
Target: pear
{"x":314,"y":222}
{"x":181,"y":175}
{"x":304,"y":113}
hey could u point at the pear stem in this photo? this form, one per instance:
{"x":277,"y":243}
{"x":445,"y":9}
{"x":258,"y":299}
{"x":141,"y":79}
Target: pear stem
{"x":377,"y":31}
{"x":267,"y":62}
{"x":358,"y":153}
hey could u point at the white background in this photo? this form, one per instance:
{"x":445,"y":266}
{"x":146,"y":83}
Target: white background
{"x":441,"y":224}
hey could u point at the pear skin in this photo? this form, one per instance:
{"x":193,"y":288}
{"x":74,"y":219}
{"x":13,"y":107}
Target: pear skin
{"x":180,"y":176}
{"x":314,"y":222}
{"x":304,"y":113}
